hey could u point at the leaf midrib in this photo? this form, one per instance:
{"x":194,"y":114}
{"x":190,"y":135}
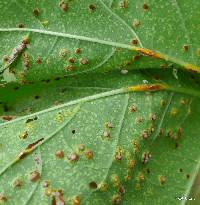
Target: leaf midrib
{"x":177,"y":89}
{"x":185,"y":65}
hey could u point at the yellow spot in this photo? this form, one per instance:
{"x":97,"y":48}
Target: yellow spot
{"x":173,"y":112}
{"x":29,"y":126}
{"x":193,"y":68}
{"x":146,"y":87}
{"x":103,"y":186}
{"x":115,"y":180}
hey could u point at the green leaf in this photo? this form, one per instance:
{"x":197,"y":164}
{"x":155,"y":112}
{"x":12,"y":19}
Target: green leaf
{"x":137,"y":143}
{"x":102,"y":30}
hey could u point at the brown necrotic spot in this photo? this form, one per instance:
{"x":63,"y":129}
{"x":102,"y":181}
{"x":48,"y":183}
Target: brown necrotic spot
{"x":71,"y":60}
{"x":83,"y":61}
{"x":59,"y":154}
{"x":88,"y":154}
{"x":26,"y":40}
{"x":5,"y":58}
{"x":36,"y":12}
{"x":121,"y":189}
{"x":185,"y":47}
{"x":34,"y":176}
{"x":144,"y":134}
{"x":73,"y":157}
{"x":92,"y":7}
{"x":63,"y":6}
{"x":69,"y":68}
{"x":106,"y":134}
{"x":23,"y":135}
{"x":136,"y":23}
{"x":3,"y":198}
{"x":78,"y":51}
{"x":116,"y":199}
{"x":38,"y":61}
{"x":7,"y":118}
{"x":81,"y":147}
{"x":17,"y":183}
{"x":76,"y":200}
{"x":109,"y":125}
{"x":152,"y":117}
{"x":146,"y":157}
{"x":45,"y":184}
{"x":132,"y":108}
{"x":162,"y":180}
{"x":134,"y":41}
{"x":93,"y":185}
{"x":123,"y":4}
{"x":145,"y":6}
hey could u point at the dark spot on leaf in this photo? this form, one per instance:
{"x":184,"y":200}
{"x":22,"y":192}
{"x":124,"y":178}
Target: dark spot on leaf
{"x":145,"y":6}
{"x":34,"y":176}
{"x":45,"y":184}
{"x":38,"y":61}
{"x":83,"y":61}
{"x":136,"y":23}
{"x":26,"y":40}
{"x":73,"y":157}
{"x":71,"y":60}
{"x":59,"y":154}
{"x":123,"y":4}
{"x":3,"y":198}
{"x":185,"y":47}
{"x":134,"y":41}
{"x":88,"y":154}
{"x":187,"y":176}
{"x":23,"y":135}
{"x":5,"y":58}
{"x":76,"y":200}
{"x":73,"y":131}
{"x":31,"y":119}
{"x":92,"y":7}
{"x":7,"y":118}
{"x":121,"y":189}
{"x":36,"y":97}
{"x":93,"y":185}
{"x":116,"y":199}
{"x":78,"y":51}
{"x":69,"y":68}
{"x":5,"y":108}
{"x":21,"y":25}
{"x":64,"y":6}
{"x":162,"y":180}
{"x":36,"y":12}
{"x":81,"y":147}
{"x":132,"y":108}
{"x":57,"y":78}
{"x":146,"y":157}
{"x":17,"y":183}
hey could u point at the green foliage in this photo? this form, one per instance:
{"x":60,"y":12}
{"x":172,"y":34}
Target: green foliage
{"x":88,"y":117}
